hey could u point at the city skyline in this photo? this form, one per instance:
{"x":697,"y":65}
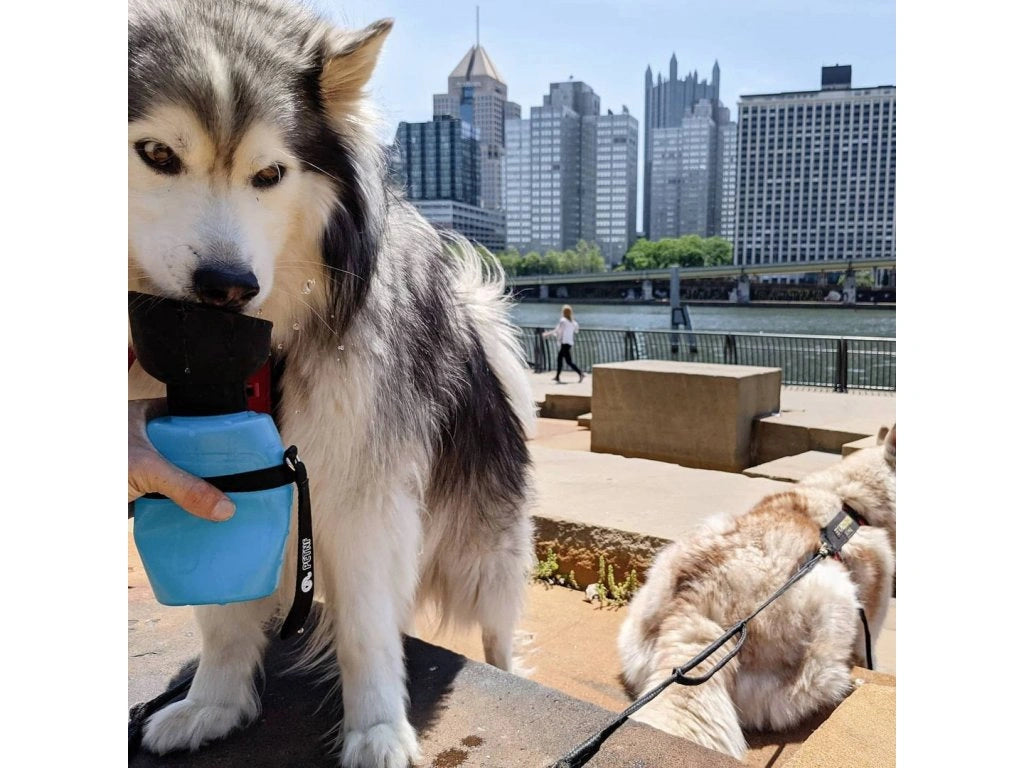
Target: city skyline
{"x":761,"y":47}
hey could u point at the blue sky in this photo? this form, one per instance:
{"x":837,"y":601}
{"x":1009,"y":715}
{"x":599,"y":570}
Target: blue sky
{"x":772,"y":45}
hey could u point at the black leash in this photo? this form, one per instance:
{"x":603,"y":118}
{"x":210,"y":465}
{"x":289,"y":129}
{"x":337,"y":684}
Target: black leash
{"x":833,"y":536}
{"x":291,"y":470}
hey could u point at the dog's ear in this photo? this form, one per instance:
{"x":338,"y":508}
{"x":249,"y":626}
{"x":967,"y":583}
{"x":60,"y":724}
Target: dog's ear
{"x":882,"y":432}
{"x":351,"y":58}
{"x":890,"y":446}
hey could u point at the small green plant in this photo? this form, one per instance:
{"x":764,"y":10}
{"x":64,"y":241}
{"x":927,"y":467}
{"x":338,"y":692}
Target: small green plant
{"x":547,"y":572}
{"x":609,"y":590}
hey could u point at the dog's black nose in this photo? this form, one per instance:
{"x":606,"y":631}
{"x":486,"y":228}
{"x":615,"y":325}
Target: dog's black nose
{"x":225,"y":287}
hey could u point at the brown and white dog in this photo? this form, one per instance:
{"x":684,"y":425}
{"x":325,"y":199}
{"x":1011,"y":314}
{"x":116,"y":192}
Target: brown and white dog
{"x":799,"y":651}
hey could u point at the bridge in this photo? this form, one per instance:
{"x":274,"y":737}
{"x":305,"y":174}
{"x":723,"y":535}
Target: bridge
{"x":702,"y":273}
{"x":539,"y":286}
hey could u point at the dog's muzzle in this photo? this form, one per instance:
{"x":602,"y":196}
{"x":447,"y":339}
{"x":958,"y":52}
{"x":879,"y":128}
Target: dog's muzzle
{"x":225,"y":288}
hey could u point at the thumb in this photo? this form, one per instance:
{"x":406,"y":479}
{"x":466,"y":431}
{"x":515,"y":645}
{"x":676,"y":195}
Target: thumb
{"x":189,"y":492}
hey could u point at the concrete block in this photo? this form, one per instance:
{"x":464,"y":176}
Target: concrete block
{"x":793,"y":469}
{"x":695,"y":414}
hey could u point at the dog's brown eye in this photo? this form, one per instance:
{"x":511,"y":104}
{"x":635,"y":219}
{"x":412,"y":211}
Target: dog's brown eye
{"x":159,"y":157}
{"x":269,"y":176}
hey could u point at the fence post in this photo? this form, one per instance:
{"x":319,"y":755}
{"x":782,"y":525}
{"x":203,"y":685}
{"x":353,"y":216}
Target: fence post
{"x":842,"y":358}
{"x":540,"y":351}
{"x":629,"y":351}
{"x":729,"y":351}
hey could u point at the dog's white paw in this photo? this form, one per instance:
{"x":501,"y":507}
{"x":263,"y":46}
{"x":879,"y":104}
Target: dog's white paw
{"x":385,"y":745}
{"x":189,"y":725}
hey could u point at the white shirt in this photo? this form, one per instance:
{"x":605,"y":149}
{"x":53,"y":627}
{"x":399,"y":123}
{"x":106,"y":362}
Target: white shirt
{"x":565,"y":330}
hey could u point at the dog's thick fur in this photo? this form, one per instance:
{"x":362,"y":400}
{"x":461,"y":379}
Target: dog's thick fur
{"x":402,"y":383}
{"x":799,"y":651}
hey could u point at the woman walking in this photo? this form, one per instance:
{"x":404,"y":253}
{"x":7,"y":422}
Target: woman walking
{"x":564,"y":333}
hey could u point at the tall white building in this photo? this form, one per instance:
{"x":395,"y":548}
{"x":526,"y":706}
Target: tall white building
{"x":684,"y":176}
{"x":570,"y":174}
{"x":518,"y":180}
{"x":727,"y":185}
{"x":615,"y":184}
{"x":816,"y":173}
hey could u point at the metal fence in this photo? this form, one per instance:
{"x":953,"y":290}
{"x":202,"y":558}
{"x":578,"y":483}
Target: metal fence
{"x":839,"y":362}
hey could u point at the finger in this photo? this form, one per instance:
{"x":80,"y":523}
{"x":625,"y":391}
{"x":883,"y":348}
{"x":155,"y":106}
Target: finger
{"x":189,"y":492}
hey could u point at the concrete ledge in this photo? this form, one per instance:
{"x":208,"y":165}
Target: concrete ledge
{"x":466,"y":713}
{"x":584,"y":507}
{"x":861,"y":733}
{"x":580,"y":546}
{"x":858,"y":445}
{"x":695,"y":414}
{"x":567,"y":406}
{"x":793,"y":469}
{"x":584,"y":419}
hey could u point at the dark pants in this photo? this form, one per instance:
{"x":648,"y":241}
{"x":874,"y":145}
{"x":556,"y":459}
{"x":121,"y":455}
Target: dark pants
{"x":565,"y":353}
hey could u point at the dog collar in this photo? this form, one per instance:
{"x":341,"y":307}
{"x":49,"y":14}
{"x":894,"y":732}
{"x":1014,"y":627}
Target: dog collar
{"x":839,"y":530}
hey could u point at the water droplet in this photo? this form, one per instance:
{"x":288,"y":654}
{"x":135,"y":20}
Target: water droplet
{"x":341,"y":347}
{"x":280,"y":345}
{"x":295,"y":326}
{"x":308,"y":287}
{"x":188,"y":370}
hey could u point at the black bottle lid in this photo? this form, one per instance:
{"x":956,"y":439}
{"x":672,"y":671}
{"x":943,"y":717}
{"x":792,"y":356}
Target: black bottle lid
{"x":203,"y":354}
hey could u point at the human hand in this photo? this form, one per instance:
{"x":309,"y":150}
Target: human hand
{"x":149,"y":472}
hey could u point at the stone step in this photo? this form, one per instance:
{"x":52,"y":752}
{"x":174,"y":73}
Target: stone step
{"x":564,"y":406}
{"x":861,"y":733}
{"x":793,"y":469}
{"x":858,"y":445}
{"x":593,"y":504}
{"x":820,"y":421}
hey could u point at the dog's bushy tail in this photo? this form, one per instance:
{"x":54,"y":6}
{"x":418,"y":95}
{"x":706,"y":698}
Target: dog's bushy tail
{"x":480,"y":286}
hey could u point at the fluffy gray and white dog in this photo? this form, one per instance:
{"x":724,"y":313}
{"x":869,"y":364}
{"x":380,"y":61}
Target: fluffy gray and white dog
{"x":256,"y":183}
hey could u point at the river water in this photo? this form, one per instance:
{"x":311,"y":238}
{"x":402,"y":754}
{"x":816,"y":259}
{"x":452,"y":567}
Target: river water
{"x":823,"y":321}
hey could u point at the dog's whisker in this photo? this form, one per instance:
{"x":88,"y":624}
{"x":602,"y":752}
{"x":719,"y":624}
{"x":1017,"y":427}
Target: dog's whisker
{"x":313,"y":310}
{"x":295,"y":262}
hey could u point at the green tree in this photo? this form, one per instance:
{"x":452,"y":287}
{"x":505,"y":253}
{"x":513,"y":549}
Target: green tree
{"x":717,"y":251}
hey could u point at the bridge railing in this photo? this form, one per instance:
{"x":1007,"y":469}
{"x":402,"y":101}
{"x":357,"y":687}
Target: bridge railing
{"x":839,"y":362}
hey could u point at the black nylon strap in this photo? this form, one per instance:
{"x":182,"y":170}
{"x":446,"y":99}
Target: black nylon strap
{"x":304,"y":558}
{"x":245,"y":482}
{"x":867,"y":639}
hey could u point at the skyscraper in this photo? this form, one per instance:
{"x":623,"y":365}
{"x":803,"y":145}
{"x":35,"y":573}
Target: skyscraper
{"x":615,"y":184}
{"x":568,"y":174}
{"x":436,"y":163}
{"x":478,"y":95}
{"x":727,"y":187}
{"x":439,"y":160}
{"x":816,"y":173}
{"x":666,"y":103}
{"x":684,"y":166}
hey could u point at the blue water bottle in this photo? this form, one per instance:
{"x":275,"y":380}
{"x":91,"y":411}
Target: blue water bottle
{"x":204,"y":355}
